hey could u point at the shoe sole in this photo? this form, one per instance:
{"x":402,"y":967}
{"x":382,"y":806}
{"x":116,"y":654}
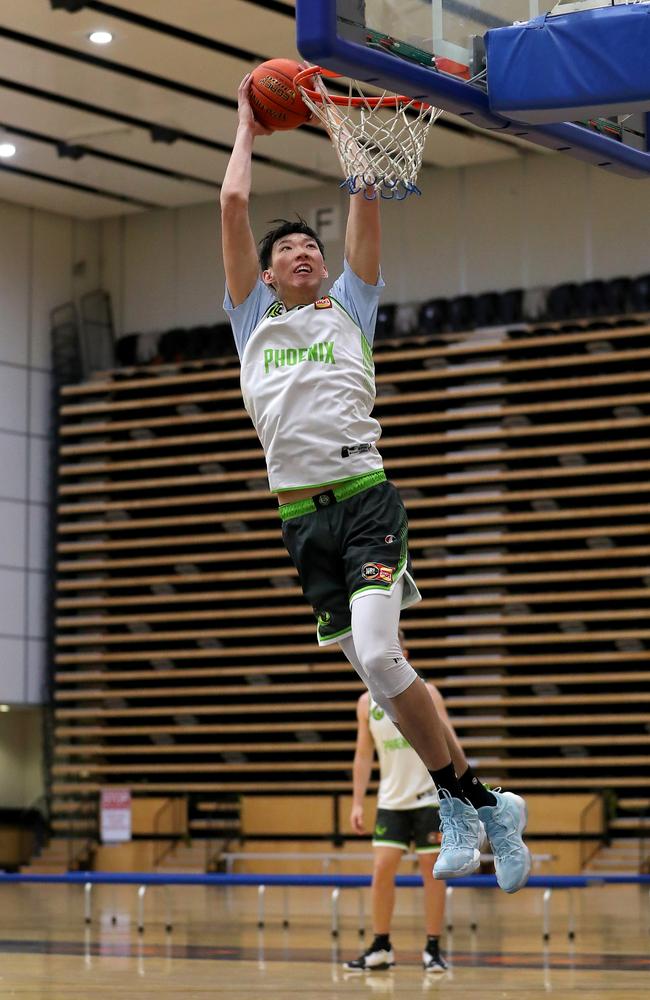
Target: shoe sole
{"x":468,"y":869}
{"x":435,"y":969}
{"x":523,"y":823}
{"x":371,"y":968}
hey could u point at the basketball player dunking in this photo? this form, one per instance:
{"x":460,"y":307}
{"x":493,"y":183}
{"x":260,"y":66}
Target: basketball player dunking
{"x":307,"y":379}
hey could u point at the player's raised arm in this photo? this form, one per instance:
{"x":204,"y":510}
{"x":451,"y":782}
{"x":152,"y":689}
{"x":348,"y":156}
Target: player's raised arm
{"x":363,"y":237}
{"x":239,"y":250}
{"x":363,"y":233}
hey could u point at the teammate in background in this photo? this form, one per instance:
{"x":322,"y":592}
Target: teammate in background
{"x":407,"y":813}
{"x":307,"y":379}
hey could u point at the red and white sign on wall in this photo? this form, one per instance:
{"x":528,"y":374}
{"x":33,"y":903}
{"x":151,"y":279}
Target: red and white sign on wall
{"x":115,"y":815}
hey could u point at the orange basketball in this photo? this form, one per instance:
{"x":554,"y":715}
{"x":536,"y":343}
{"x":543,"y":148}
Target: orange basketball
{"x":275,"y":101}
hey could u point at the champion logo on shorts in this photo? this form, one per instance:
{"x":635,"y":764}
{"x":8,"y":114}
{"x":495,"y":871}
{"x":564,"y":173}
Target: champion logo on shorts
{"x":377,"y":571}
{"x":389,"y":539}
{"x":324,"y":303}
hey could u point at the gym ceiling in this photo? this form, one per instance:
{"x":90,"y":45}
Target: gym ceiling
{"x":147,"y":121}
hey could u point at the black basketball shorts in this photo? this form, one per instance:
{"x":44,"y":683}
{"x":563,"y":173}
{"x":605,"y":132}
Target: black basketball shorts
{"x":403,"y":827}
{"x":345,"y":546}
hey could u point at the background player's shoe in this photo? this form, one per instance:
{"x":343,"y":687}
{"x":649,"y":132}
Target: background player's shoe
{"x":432,"y":960}
{"x":459,"y":824}
{"x":504,"y":824}
{"x":374,"y":959}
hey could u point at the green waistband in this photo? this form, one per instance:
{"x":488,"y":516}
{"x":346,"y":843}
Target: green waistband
{"x":344,"y":490}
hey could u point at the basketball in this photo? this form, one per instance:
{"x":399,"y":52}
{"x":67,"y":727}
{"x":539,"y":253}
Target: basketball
{"x":276,"y":103}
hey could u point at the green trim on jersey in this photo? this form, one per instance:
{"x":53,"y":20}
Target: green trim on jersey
{"x":366,"y":349}
{"x":341,"y":306}
{"x":346,"y":488}
{"x":368,"y":363}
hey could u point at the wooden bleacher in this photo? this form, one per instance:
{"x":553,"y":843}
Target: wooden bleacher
{"x":186,"y":662}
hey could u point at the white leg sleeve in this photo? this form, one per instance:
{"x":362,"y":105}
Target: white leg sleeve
{"x":347,"y":645}
{"x":377,"y":650}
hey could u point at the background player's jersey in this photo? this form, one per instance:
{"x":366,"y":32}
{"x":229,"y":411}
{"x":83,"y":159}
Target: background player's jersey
{"x":308,"y":383}
{"x":405,"y":782}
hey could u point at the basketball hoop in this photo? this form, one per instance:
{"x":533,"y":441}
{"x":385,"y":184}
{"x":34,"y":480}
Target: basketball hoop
{"x":379,"y":140}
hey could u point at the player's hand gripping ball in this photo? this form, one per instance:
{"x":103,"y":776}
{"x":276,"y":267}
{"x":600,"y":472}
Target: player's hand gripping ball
{"x":275,"y":101}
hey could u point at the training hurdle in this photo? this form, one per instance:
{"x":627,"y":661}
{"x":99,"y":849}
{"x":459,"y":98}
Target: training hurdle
{"x":144,"y":880}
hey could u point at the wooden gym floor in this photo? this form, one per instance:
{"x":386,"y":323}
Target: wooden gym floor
{"x":216,"y":950}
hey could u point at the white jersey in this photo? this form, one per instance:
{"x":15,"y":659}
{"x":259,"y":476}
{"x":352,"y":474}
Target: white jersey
{"x":308,"y":383}
{"x":405,"y":782}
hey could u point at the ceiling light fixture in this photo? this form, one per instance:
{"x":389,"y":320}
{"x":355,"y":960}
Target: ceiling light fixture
{"x":7,"y":150}
{"x":100,"y":37}
{"x":4,"y":708}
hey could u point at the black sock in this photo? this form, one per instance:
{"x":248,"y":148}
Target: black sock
{"x":475,"y":791}
{"x":446,"y":779}
{"x":382,"y":941}
{"x":432,"y":942}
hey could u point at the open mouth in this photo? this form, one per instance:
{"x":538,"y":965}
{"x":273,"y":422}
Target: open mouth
{"x":302,"y":269}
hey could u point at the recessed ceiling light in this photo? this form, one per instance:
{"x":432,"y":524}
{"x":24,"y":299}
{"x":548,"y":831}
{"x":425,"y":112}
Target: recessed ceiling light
{"x":7,"y":149}
{"x":100,"y":37}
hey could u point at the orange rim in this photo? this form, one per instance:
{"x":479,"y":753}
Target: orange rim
{"x":305,"y":75}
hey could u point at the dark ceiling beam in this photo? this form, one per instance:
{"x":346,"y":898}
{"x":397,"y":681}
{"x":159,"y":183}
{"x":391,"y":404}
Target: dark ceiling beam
{"x":75,"y":151}
{"x":152,"y":127}
{"x":77,"y":186}
{"x":98,"y":62}
{"x":181,"y":34}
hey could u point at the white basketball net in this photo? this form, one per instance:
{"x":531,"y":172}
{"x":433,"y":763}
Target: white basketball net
{"x":380,"y":147}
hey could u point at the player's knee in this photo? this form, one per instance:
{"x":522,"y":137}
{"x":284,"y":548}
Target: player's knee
{"x":391,"y":673}
{"x":385,"y":868}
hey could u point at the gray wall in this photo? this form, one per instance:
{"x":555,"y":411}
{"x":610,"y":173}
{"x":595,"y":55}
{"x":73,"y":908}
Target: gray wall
{"x":538,"y":220}
{"x":37,"y":254}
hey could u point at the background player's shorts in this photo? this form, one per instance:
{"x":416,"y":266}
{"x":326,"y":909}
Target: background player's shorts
{"x":403,"y":827}
{"x":345,"y":548}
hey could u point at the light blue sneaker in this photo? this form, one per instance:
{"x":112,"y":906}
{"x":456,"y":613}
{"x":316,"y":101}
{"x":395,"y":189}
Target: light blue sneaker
{"x":504,"y":824}
{"x":460,"y":827}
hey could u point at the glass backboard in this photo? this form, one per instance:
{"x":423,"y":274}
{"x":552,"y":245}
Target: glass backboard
{"x":450,"y":31}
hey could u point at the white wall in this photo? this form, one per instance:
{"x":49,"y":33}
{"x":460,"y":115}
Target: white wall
{"x":38,"y":252}
{"x":537,"y":220}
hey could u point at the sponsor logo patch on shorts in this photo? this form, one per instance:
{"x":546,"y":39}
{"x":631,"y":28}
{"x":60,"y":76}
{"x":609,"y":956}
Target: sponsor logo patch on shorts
{"x":324,"y":303}
{"x":377,"y":571}
{"x":389,"y":539}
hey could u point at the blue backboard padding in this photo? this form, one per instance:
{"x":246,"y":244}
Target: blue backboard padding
{"x":572,"y":66}
{"x":319,"y":43}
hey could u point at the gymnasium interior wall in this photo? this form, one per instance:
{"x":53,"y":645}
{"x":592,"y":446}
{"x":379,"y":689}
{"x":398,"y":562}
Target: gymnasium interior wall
{"x":537,"y":220}
{"x":39,"y":255}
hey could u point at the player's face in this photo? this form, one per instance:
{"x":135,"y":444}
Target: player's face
{"x":297,"y":268}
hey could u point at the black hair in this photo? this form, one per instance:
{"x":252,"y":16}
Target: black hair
{"x":285,"y":228}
